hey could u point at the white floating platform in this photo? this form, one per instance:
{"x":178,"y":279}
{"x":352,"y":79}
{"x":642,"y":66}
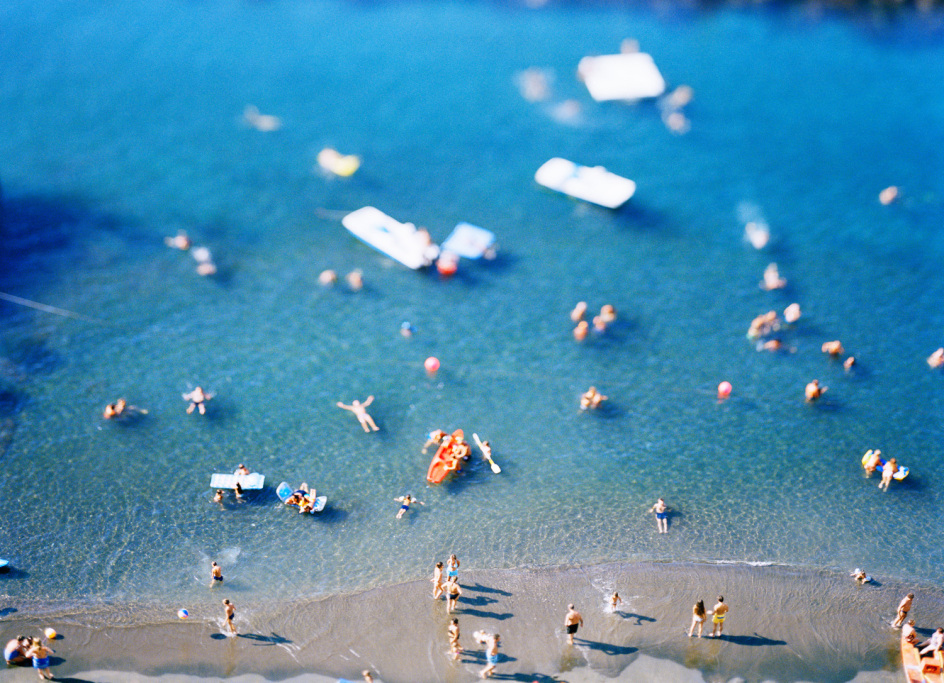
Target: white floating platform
{"x":591,"y":184}
{"x":468,"y":241}
{"x":228,"y":481}
{"x":400,"y":241}
{"x":629,"y":76}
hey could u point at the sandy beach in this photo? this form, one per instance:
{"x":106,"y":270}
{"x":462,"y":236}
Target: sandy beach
{"x":785,"y":624}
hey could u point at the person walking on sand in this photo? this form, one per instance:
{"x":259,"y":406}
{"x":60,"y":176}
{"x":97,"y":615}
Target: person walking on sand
{"x":406,"y":501}
{"x":662,"y":516}
{"x":491,"y":654}
{"x":368,"y":677}
{"x":698,"y":618}
{"x":216,"y":574}
{"x":572,"y":621}
{"x":903,"y":607}
{"x":40,"y":652}
{"x":437,"y":580}
{"x":198,"y":399}
{"x":453,"y":632}
{"x":452,"y":591}
{"x":718,"y":613}
{"x":229,"y":611}
{"x":360,"y":412}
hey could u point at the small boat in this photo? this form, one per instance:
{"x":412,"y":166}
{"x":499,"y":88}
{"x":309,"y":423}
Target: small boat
{"x":284,"y":491}
{"x":343,"y":165}
{"x":591,"y":184}
{"x":918,"y":670}
{"x":626,"y":76}
{"x":400,"y":241}
{"x":448,"y":458}
{"x":246,"y":481}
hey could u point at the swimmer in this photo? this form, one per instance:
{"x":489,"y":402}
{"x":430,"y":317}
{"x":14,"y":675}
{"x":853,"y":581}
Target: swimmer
{"x":218,"y":496}
{"x":792,"y":313}
{"x":833,"y":348}
{"x":229,"y":612}
{"x":452,"y":591}
{"x":434,"y":439}
{"x":114,"y":410}
{"x":453,"y":633}
{"x":936,"y":359}
{"x":241,"y":470}
{"x":763,"y":325}
{"x":572,"y":621}
{"x":327,"y":278}
{"x":814,"y":391}
{"x":265,"y":123}
{"x":888,"y":471}
{"x":204,"y":259}
{"x":888,"y":195}
{"x":599,"y":324}
{"x":406,"y":501}
{"x":772,"y":279}
{"x":719,"y":613}
{"x":358,"y":408}
{"x":698,"y":618}
{"x":770,"y":345}
{"x":580,"y":332}
{"x":355,"y":280}
{"x":871,"y":461}
{"x":577,"y":314}
{"x":848,"y":363}
{"x":238,"y":490}
{"x":615,"y":601}
{"x":662,"y":516}
{"x":120,"y":410}
{"x":591,"y":399}
{"x":179,"y":241}
{"x":437,"y":580}
{"x":198,"y":399}
{"x":216,"y":574}
{"x":607,"y":313}
{"x":861,"y":577}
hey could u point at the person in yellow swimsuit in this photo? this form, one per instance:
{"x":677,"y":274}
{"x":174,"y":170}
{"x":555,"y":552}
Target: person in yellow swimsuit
{"x":718,"y":613}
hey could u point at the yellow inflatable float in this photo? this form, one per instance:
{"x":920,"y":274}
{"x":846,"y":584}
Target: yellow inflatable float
{"x":339,"y":164}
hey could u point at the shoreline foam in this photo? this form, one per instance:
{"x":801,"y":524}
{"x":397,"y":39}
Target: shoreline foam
{"x":785,"y":624}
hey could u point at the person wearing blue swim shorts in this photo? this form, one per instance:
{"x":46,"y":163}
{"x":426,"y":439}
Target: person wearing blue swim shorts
{"x":40,"y":654}
{"x":491,"y":643}
{"x":662,"y":516}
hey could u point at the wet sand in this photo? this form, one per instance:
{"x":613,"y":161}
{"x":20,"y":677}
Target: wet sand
{"x":785,"y":624}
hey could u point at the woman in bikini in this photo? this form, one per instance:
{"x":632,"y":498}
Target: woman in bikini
{"x":698,"y":618}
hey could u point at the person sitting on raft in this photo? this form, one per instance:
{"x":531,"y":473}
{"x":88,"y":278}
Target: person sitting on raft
{"x":303,"y":498}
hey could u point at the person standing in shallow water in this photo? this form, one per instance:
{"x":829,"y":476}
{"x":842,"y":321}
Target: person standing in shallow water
{"x":719,"y":612}
{"x":662,"y":516}
{"x":698,"y":618}
{"x":229,"y":611}
{"x":903,"y":608}
{"x":572,"y":621}
{"x":216,"y":574}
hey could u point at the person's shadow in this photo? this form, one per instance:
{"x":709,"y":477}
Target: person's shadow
{"x":752,"y":641}
{"x":273,"y":639}
{"x":606,"y":648}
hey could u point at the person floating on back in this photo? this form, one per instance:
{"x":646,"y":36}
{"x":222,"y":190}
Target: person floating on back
{"x":198,"y":399}
{"x":360,"y":412}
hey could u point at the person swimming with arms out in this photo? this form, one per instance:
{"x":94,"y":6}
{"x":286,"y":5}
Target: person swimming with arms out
{"x":406,"y":501}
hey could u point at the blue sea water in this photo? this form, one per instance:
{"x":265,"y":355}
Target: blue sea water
{"x":121,"y":123}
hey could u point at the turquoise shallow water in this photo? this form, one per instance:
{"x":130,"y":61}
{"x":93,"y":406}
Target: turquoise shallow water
{"x":120,"y":123}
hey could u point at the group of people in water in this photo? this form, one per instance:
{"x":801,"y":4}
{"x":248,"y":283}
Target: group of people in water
{"x":24,"y":648}
{"x":600,"y":322}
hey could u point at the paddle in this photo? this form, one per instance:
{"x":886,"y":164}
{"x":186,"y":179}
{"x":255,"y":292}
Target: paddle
{"x":486,"y":452}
